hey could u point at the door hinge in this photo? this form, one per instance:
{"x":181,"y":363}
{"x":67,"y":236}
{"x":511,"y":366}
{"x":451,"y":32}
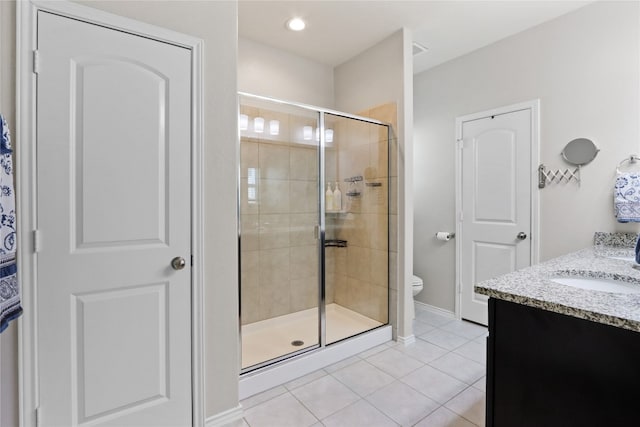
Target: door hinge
{"x":460,"y":216}
{"x":460,"y":144}
{"x":316,"y":231}
{"x":37,"y":241}
{"x":36,"y":62}
{"x":38,"y":416}
{"x":191,"y":260}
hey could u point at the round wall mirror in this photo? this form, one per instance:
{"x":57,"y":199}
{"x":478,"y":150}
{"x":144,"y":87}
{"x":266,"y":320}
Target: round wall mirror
{"x":580,"y":151}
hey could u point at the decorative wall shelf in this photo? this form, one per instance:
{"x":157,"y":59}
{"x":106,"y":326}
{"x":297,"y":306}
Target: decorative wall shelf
{"x":356,"y":178}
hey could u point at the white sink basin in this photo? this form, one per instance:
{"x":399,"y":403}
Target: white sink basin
{"x":599,"y":284}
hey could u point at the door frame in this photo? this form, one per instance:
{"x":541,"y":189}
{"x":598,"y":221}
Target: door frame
{"x":534,"y":107}
{"x":26,"y":189}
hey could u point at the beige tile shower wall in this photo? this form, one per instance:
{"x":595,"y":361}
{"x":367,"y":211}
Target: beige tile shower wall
{"x":361,"y":271}
{"x":278,"y":212}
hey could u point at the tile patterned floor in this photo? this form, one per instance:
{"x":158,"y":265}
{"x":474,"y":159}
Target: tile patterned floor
{"x":439,"y":381}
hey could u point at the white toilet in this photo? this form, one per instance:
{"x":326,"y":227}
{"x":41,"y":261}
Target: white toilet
{"x":416,"y":284}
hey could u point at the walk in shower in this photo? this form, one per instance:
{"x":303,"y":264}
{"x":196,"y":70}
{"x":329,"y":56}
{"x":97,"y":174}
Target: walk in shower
{"x":313,"y":226}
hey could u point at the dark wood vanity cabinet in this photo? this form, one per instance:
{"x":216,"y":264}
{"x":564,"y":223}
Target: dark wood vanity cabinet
{"x":546,"y":369}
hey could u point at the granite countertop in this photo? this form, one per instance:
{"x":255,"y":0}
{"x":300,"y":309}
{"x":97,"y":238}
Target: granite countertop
{"x":531,"y":286}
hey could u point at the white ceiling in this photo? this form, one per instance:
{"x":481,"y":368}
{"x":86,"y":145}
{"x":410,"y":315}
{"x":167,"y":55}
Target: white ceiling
{"x":337,"y":30}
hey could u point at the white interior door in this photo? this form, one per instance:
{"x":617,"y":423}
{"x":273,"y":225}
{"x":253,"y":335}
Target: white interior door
{"x":496,"y":203}
{"x":113,"y":203}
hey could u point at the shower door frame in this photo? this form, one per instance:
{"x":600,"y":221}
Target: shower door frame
{"x":321,"y":229}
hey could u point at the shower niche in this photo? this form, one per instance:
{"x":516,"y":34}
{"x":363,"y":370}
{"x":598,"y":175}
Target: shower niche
{"x":313,"y":226}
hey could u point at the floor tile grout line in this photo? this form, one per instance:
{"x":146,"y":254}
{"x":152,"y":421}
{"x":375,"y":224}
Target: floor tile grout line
{"x":458,"y":334}
{"x":354,"y":403}
{"x":443,"y":372}
{"x":366,"y":351}
{"x":305,"y":407}
{"x":365,"y":398}
{"x":440,"y":345}
{"x":309,"y":382}
{"x":468,"y":358}
{"x":358,"y":394}
{"x":355,"y":356}
{"x":265,"y":401}
{"x":395,"y":378}
{"x":447,"y":352}
{"x":449,"y":375}
{"x":415,"y":358}
{"x":454,"y":349}
{"x":461,"y":415}
{"x":400,"y":424}
{"x":457,"y":354}
{"x":429,"y":414}
{"x":431,"y":398}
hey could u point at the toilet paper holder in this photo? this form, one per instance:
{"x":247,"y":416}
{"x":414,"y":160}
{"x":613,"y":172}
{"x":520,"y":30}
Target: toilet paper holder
{"x":445,"y":236}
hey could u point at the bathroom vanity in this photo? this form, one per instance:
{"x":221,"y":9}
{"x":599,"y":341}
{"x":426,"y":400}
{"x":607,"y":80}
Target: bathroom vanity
{"x":562,"y":355}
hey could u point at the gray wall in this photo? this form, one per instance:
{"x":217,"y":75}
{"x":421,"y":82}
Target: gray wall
{"x":371,"y":78}
{"x":584,"y":68}
{"x":267,"y":71}
{"x":379,"y":75}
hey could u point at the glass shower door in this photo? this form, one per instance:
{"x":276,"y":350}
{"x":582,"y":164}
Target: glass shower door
{"x":314,"y":228}
{"x":356,"y":226}
{"x":279,"y":246}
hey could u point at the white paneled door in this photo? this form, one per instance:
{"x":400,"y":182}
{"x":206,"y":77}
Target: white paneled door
{"x":495,"y":216}
{"x":113,"y":198}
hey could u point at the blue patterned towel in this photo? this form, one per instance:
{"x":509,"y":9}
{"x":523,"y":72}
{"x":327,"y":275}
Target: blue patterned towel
{"x":626,"y":199}
{"x":10,"y":307}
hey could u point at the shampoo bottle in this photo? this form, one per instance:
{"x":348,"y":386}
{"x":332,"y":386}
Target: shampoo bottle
{"x":337,"y":198}
{"x":328,"y":198}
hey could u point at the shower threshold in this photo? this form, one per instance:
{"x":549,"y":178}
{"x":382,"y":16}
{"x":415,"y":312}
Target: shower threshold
{"x":257,"y":381}
{"x":272,"y":338}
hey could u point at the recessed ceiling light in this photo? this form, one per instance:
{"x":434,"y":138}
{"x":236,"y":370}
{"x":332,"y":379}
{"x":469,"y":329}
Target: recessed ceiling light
{"x":296,"y":24}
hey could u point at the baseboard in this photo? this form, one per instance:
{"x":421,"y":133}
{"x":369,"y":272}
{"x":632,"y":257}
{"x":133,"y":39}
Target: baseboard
{"x":225,"y":417}
{"x":408,"y":340}
{"x":434,"y":309}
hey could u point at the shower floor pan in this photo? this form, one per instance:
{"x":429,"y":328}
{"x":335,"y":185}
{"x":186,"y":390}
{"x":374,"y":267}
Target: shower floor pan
{"x":272,"y":338}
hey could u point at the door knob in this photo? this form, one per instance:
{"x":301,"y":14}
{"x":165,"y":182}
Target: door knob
{"x":178,"y":263}
{"x":522,"y":235}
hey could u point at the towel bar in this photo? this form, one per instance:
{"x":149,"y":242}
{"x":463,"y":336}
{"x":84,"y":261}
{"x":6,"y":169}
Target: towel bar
{"x":556,"y":176}
{"x":631,"y":159}
{"x":335,"y":243}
